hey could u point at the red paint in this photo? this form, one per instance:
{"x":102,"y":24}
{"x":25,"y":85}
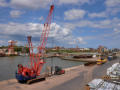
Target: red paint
{"x":35,"y":59}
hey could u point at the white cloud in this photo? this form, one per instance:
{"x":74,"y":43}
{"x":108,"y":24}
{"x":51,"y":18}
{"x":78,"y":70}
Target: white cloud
{"x":74,"y":41}
{"x":41,"y":18}
{"x":29,"y":3}
{"x":3,"y":3}
{"x":98,"y":15}
{"x":3,"y":42}
{"x":16,"y":13}
{"x":110,"y":28}
{"x":113,"y":34}
{"x":116,"y":30}
{"x":112,"y":3}
{"x":36,"y":4}
{"x":59,"y":33}
{"x":80,"y":40}
{"x":33,"y":4}
{"x":101,"y":24}
{"x":19,"y":29}
{"x":74,"y":14}
{"x":73,"y":1}
{"x":113,"y":6}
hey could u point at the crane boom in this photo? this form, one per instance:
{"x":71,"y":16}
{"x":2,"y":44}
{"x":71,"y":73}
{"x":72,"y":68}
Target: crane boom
{"x":36,"y":61}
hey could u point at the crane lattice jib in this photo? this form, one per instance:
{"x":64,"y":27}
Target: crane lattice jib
{"x":46,"y":29}
{"x":36,"y":61}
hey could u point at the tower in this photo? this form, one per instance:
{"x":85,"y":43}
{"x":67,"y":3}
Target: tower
{"x":11,"y":47}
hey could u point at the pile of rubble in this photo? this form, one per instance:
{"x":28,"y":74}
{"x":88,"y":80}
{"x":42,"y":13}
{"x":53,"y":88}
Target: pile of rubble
{"x":114,"y":71}
{"x":100,"y":84}
{"x":110,"y":83}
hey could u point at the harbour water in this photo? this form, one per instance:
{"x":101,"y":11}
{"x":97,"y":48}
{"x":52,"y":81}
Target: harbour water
{"x":8,"y":65}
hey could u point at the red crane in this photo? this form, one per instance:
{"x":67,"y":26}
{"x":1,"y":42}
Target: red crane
{"x":27,"y":73}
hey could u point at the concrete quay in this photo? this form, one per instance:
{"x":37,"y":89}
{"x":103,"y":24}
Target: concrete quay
{"x":75,"y":78}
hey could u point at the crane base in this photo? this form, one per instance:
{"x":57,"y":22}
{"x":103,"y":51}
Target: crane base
{"x":30,"y":80}
{"x":38,"y":79}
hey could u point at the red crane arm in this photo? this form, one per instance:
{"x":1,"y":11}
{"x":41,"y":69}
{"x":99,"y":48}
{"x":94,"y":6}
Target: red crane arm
{"x":36,"y":61}
{"x":46,"y":29}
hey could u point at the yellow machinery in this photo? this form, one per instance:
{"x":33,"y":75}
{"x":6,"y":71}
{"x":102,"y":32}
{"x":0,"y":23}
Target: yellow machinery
{"x":102,"y":60}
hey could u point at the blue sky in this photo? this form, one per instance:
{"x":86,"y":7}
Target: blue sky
{"x":83,"y":23}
